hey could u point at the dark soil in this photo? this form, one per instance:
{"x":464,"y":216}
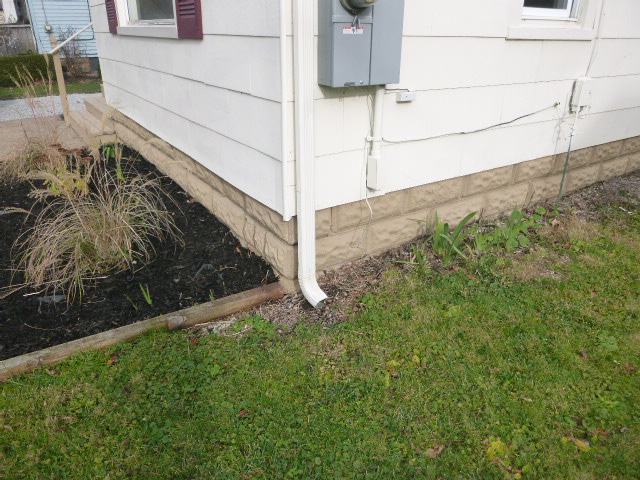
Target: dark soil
{"x":27,"y":324}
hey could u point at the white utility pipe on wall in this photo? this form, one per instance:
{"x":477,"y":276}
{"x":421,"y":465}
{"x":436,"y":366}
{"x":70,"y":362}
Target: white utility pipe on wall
{"x":304,"y":50}
{"x":374,"y":162}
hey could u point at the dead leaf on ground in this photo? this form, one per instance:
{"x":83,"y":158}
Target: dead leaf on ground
{"x":243,"y":414}
{"x":434,"y":452}
{"x":53,"y":372}
{"x":630,"y":368}
{"x":112,"y":359}
{"x":581,"y":445}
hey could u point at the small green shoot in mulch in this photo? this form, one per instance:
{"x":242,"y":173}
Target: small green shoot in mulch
{"x":146,"y":294}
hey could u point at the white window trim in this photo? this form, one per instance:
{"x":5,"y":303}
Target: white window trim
{"x":144,"y":28}
{"x":580,"y":25}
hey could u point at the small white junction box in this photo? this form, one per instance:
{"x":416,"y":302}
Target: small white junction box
{"x":405,"y":97}
{"x":581,"y":95}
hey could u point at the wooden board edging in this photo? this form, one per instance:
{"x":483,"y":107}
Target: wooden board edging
{"x":188,"y":317}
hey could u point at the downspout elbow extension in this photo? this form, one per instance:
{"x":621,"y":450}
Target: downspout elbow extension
{"x":312,"y":291}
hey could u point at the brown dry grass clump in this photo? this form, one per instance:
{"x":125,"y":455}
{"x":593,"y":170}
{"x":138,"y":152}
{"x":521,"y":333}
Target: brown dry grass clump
{"x":540,"y":263}
{"x":78,"y":239}
{"x":572,"y":228}
{"x":41,"y":149}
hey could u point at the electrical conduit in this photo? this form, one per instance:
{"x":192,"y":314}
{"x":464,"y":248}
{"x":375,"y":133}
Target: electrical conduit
{"x":374,"y":162}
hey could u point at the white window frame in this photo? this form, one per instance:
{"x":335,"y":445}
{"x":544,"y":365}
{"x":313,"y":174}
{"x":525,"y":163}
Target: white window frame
{"x":564,"y":13}
{"x":579,"y":25}
{"x":144,"y":28}
{"x":160,"y":21}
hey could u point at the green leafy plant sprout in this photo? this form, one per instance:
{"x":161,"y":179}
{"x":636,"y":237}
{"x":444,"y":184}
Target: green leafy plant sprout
{"x":212,"y":295}
{"x":146,"y":294}
{"x":418,"y":259}
{"x":446,"y":244}
{"x":511,"y":235}
{"x":113,"y":152}
{"x":133,"y":304}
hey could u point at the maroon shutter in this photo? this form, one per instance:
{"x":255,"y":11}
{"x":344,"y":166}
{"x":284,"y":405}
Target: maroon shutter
{"x":112,"y":15}
{"x":189,"y":18}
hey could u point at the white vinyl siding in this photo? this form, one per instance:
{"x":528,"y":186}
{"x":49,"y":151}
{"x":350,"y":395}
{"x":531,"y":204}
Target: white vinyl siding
{"x":217,"y":99}
{"x":467,"y":76}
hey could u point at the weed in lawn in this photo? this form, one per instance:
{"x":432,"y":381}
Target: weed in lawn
{"x":418,"y":259}
{"x":78,"y":239}
{"x":146,"y":294}
{"x":539,"y":263}
{"x":511,"y":235}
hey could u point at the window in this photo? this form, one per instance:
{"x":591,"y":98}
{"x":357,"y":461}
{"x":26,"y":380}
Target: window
{"x":155,"y":18}
{"x":553,"y":19}
{"x":550,"y":8}
{"x":152,"y":11}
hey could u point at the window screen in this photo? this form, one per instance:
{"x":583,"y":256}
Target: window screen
{"x":562,"y":4}
{"x":151,"y":10}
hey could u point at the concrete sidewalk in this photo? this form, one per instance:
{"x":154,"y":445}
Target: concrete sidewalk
{"x":14,"y":133}
{"x":19,"y":108}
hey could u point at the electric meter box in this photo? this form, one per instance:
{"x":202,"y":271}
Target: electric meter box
{"x":359,"y":46}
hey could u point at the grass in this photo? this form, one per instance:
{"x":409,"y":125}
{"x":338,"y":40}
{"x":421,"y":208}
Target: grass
{"x":8,"y":93}
{"x":470,"y":374}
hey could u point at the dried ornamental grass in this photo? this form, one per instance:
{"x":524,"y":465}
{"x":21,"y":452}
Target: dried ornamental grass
{"x":41,"y":149}
{"x":79,"y":239}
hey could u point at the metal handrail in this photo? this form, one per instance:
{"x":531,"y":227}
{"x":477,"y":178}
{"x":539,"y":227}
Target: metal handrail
{"x":70,"y":38}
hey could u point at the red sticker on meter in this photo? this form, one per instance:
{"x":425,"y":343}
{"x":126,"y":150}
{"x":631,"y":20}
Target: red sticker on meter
{"x":353,"y":31}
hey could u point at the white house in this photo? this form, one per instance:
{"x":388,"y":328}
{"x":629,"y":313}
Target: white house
{"x":224,"y":96}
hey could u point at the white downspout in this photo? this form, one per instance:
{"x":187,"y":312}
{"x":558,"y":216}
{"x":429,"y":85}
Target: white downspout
{"x":304,"y":50}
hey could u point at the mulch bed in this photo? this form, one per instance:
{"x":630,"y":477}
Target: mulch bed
{"x":176,"y":278}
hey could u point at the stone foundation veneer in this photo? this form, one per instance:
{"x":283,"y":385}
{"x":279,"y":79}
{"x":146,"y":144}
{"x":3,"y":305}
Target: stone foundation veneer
{"x":348,"y":232}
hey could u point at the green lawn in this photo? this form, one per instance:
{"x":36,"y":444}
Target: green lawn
{"x":7,"y":93}
{"x":509,"y":367}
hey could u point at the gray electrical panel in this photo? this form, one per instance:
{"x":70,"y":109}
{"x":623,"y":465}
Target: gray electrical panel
{"x":361,"y":45}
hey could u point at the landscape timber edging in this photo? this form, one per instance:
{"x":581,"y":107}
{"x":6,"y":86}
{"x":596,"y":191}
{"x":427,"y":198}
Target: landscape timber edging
{"x":185,"y":318}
